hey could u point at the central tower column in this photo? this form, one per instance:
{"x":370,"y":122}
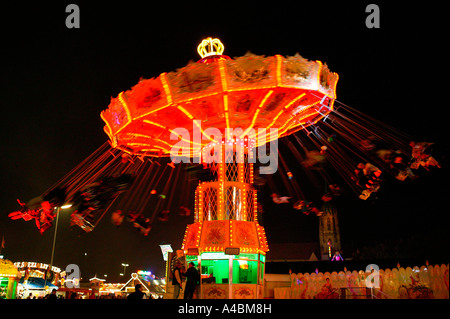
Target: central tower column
{"x":229,"y":194}
{"x":226,"y":242}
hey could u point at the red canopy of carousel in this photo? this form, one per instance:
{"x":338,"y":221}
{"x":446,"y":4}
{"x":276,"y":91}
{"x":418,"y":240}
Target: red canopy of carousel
{"x":248,"y":92}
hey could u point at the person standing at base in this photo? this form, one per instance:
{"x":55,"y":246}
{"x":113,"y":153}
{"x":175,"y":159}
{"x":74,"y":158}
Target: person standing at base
{"x":52,"y":296}
{"x":137,"y":294}
{"x":192,"y":277}
{"x":176,"y":280}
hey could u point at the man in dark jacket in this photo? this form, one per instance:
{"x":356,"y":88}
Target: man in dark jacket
{"x":192,"y":277}
{"x":137,"y":294}
{"x":177,"y":281}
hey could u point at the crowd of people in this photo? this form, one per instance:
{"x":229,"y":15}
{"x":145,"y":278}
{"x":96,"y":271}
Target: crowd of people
{"x":137,"y":294}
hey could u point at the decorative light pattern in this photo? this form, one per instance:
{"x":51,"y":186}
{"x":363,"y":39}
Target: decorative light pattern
{"x":256,"y":245}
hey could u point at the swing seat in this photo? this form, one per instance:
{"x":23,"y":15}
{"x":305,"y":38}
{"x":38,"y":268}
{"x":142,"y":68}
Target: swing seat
{"x":297,"y":206}
{"x":402,"y":176}
{"x":27,"y":217}
{"x":77,"y":219}
{"x":431,"y":161}
{"x":415,"y":165}
{"x":365,"y":194}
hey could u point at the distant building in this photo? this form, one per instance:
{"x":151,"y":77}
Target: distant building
{"x":329,"y":235}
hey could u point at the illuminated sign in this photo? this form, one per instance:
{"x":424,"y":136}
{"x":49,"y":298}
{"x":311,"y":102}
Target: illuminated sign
{"x":192,"y":251}
{"x":232,"y":251}
{"x":144,"y":273}
{"x":165,"y":249}
{"x":25,"y":264}
{"x":214,"y":256}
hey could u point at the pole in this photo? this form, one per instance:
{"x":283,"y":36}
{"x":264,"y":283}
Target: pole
{"x":53,"y":247}
{"x":54,"y":236}
{"x":124,"y":268}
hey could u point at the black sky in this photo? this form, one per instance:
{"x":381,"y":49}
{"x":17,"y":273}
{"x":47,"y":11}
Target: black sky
{"x":55,"y":82}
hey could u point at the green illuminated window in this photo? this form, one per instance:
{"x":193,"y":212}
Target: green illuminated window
{"x":247,"y":256}
{"x":215,"y":271}
{"x":261,"y":272}
{"x":192,"y":258}
{"x":245,"y":271}
{"x":3,"y":287}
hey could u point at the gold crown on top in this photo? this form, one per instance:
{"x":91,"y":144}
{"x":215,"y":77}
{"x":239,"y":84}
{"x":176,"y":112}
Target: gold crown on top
{"x":209,"y":47}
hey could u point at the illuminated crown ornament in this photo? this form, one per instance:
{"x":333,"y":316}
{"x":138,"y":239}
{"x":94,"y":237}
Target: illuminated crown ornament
{"x":210,"y":47}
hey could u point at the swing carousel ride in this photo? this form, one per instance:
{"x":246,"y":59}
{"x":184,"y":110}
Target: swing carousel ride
{"x":210,"y":117}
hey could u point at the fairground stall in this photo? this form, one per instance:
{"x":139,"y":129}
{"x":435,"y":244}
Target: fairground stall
{"x":9,"y":278}
{"x":110,"y":290}
{"x":37,"y":279}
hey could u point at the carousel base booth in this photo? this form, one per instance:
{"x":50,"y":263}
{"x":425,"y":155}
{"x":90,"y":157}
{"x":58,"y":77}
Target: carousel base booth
{"x":230,"y":276}
{"x":234,"y":272}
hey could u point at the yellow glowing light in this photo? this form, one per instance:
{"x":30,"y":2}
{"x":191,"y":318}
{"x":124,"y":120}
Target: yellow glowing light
{"x":203,"y":132}
{"x":166,"y":88}
{"x":275,"y":118}
{"x":223,"y":80}
{"x":154,"y":123}
{"x":257,"y":112}
{"x":132,"y":136}
{"x":209,"y":47}
{"x":182,"y":109}
{"x":294,"y":100}
{"x":255,"y":206}
{"x":318,"y":73}
{"x":335,"y":84}
{"x":171,"y":131}
{"x":200,"y":203}
{"x":152,"y":111}
{"x":279,"y":63}
{"x":225,"y":107}
{"x":125,"y":106}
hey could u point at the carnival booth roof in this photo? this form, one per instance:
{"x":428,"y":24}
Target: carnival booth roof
{"x":213,"y":236}
{"x":7,"y":269}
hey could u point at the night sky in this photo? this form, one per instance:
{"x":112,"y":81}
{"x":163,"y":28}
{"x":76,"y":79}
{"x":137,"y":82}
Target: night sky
{"x":55,"y":82}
